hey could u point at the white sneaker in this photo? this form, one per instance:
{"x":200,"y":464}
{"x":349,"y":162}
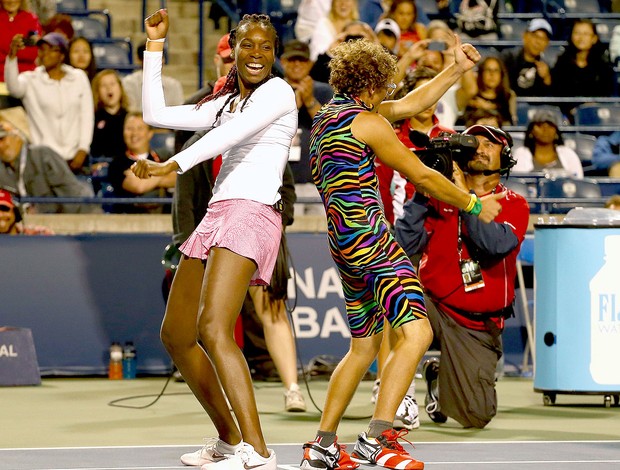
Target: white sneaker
{"x":214,"y":450}
{"x":294,"y":400}
{"x":407,"y":415}
{"x":375,"y":391}
{"x":245,"y":458}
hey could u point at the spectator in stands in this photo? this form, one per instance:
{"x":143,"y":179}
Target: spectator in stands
{"x":132,"y":83}
{"x":405,"y":13}
{"x":18,"y":24}
{"x":544,"y":150}
{"x":484,"y":117}
{"x":586,"y":61}
{"x":58,"y":100}
{"x":37,"y":170}
{"x":468,"y":270}
{"x":309,"y":13}
{"x":11,"y":218}
{"x":81,"y":56}
{"x":528,"y":72}
{"x":44,"y":9}
{"x":223,"y":61}
{"x":613,"y":202}
{"x":310,"y":95}
{"x":60,"y":23}
{"x":490,"y":91}
{"x":329,"y":28}
{"x":352,"y":31}
{"x":137,"y":136}
{"x":111,"y":107}
{"x":476,"y":19}
{"x":451,"y":105}
{"x":388,"y":34}
{"x":606,"y":154}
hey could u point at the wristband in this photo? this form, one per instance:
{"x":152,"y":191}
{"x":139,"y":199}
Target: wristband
{"x":472,"y":203}
{"x":476,"y":207}
{"x":156,"y":40}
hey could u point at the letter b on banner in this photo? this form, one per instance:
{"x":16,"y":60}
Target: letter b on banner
{"x":18,"y":359}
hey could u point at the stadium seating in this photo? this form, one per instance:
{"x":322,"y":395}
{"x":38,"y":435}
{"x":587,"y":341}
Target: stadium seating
{"x":525,"y":111}
{"x":582,"y":6}
{"x":582,"y":144}
{"x":512,"y":29}
{"x":71,"y":5}
{"x":577,"y":192}
{"x":92,"y":24}
{"x":114,"y":53}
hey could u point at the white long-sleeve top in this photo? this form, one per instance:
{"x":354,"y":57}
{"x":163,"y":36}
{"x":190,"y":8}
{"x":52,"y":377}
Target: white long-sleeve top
{"x":254,"y":143}
{"x":571,"y":164}
{"x":60,"y":113}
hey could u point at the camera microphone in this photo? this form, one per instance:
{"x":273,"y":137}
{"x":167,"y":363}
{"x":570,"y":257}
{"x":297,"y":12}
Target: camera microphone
{"x":419,"y":139}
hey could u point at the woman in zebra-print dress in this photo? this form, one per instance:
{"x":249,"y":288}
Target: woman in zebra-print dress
{"x":379,"y":281}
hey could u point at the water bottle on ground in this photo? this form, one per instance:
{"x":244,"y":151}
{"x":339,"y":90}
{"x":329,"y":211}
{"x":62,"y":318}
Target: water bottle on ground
{"x":115,"y":369}
{"x":129,"y":361}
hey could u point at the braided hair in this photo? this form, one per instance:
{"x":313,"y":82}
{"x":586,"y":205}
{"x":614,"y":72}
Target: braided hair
{"x":231,"y":86}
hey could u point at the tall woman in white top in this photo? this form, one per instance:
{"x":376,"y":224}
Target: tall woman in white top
{"x":253,"y":120}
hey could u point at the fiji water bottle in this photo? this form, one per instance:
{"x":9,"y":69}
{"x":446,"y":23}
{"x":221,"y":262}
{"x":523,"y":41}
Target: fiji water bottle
{"x":605,"y":317}
{"x":129,"y":361}
{"x":115,"y":368}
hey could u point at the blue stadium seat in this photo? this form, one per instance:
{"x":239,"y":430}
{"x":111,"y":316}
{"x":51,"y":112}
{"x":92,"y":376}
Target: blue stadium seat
{"x":570,"y":189}
{"x":113,"y":53}
{"x":163,"y":140}
{"x":604,"y":28}
{"x":525,"y":111}
{"x":71,"y":5}
{"x":597,"y":114}
{"x":582,"y":144}
{"x":92,"y":24}
{"x":512,"y":28}
{"x":428,"y":6}
{"x":582,"y":6}
{"x":520,"y":186}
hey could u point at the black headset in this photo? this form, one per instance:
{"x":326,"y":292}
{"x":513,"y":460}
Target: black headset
{"x":506,"y":159}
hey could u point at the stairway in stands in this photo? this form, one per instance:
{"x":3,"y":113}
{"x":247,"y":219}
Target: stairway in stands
{"x":183,"y":38}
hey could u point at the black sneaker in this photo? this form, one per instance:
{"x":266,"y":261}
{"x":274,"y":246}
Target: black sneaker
{"x":430,"y":372}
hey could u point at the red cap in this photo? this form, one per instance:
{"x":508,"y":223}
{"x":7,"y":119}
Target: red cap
{"x":223,"y":48}
{"x":6,"y":199}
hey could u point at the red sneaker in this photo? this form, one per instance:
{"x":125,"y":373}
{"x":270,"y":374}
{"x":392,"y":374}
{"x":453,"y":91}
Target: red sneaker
{"x":333,"y":457}
{"x":385,"y":451}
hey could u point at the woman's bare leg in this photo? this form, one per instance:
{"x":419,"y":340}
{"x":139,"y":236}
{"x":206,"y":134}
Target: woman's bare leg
{"x":225,"y":285}
{"x":346,"y":378}
{"x":412,"y":341}
{"x":179,"y":335}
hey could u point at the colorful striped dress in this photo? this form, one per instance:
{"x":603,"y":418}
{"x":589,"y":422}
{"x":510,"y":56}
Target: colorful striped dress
{"x":378,"y":279}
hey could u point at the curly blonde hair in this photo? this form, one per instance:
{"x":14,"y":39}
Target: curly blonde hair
{"x":360,"y":65}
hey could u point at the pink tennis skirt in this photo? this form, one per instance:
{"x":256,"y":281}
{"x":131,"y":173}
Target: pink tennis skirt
{"x":248,"y":228}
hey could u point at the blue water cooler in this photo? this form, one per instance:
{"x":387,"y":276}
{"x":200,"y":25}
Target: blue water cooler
{"x":577,"y":269}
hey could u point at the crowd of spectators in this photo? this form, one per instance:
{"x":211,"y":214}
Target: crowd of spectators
{"x":77,"y":111}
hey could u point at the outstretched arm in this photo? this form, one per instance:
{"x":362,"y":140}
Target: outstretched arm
{"x":374,"y":130}
{"x":466,"y":56}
